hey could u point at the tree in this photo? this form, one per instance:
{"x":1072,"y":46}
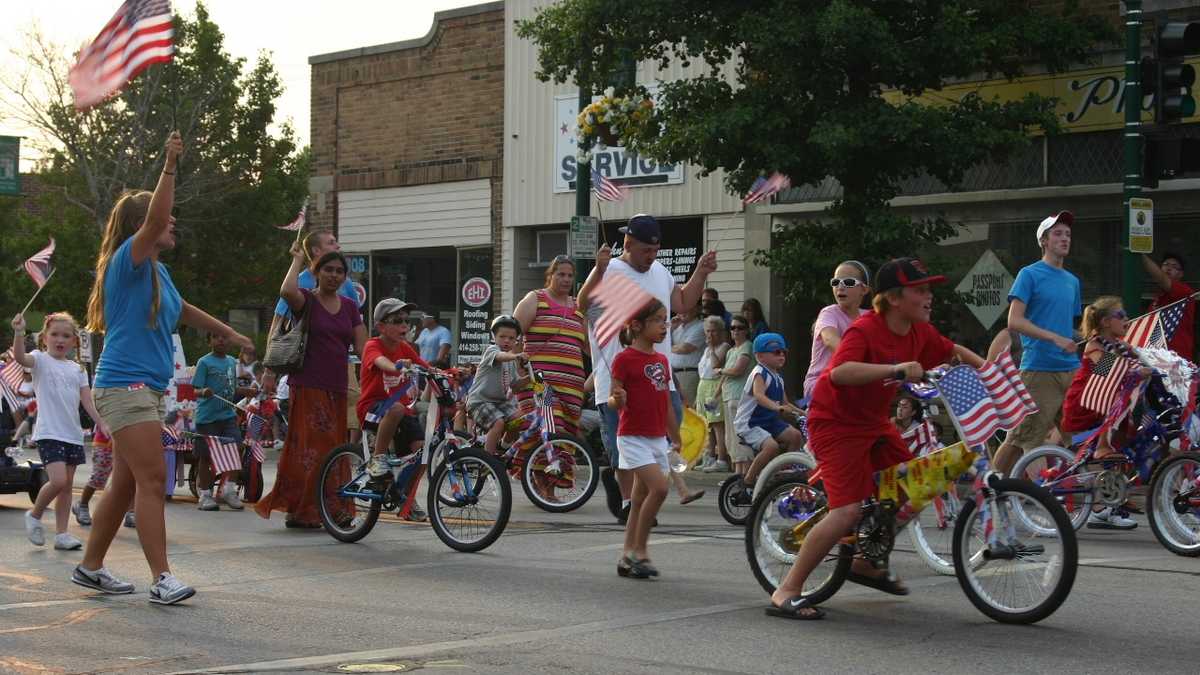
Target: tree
{"x":238,"y":174}
{"x":819,"y":89}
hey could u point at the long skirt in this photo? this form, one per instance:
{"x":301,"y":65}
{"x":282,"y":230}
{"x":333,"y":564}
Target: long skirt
{"x":318,"y":425}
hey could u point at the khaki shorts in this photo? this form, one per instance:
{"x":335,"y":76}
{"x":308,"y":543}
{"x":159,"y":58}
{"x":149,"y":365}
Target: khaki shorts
{"x":120,"y":407}
{"x":738,"y":451}
{"x":1048,"y":391}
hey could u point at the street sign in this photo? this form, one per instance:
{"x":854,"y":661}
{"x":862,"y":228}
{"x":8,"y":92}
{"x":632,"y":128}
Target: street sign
{"x":10,"y":154}
{"x":583,"y":239}
{"x":1141,"y":225}
{"x":988,"y":282}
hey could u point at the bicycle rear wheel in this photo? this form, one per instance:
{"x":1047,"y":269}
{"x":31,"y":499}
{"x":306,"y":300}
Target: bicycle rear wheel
{"x":1029,"y":571}
{"x":469,"y":500}
{"x":563,"y":479}
{"x":734,"y":514}
{"x":346,"y":517}
{"x":782,"y":514}
{"x":1174,"y":504}
{"x":1047,"y":467}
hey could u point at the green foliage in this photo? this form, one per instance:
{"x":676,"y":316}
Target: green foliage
{"x":824,"y":89}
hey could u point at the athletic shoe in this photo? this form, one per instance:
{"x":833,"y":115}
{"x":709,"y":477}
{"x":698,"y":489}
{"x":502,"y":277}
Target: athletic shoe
{"x":100,"y":580}
{"x":719,"y":466}
{"x":207,"y":503}
{"x":65,"y":541}
{"x":1108,"y":519}
{"x":231,"y":500}
{"x":167,"y":590}
{"x":416,"y":514}
{"x":705,"y":463}
{"x":130,"y":520}
{"x":82,"y":515}
{"x":33,"y":530}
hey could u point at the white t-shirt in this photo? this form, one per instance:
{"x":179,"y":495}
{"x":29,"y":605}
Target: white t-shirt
{"x":691,"y":333}
{"x":656,"y":281}
{"x":57,"y":383}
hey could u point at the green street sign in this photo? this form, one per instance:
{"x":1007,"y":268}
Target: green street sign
{"x":10,"y":153}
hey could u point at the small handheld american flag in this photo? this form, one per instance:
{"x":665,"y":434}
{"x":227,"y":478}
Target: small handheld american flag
{"x":1104,"y":383}
{"x":10,"y":381}
{"x":1156,"y":328}
{"x":138,"y":35}
{"x":223,"y":452}
{"x":621,"y":299}
{"x":298,"y":222}
{"x":254,"y":428}
{"x":606,"y":190}
{"x":763,"y":187}
{"x":921,"y":438}
{"x":38,"y":265}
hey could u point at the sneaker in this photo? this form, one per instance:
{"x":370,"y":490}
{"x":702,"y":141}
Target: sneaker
{"x":277,"y":445}
{"x":33,"y":530}
{"x":65,"y":541}
{"x":1108,"y":519}
{"x":231,"y":500}
{"x":719,"y":466}
{"x":82,"y":515}
{"x":705,"y":463}
{"x":377,"y":466}
{"x":130,"y":520}
{"x":416,"y":514}
{"x":207,"y":503}
{"x":100,"y":580}
{"x":167,"y":590}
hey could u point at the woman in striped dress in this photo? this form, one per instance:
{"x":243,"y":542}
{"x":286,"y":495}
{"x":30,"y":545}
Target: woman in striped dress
{"x":555,"y":337}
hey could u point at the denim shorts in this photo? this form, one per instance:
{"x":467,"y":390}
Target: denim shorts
{"x":51,"y":450}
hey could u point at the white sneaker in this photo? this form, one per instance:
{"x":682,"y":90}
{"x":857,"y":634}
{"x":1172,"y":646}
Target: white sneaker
{"x":100,"y":580}
{"x":719,"y":466}
{"x":167,"y":590}
{"x":277,"y":445}
{"x":130,"y":520}
{"x":207,"y":503}
{"x":231,"y":500}
{"x":377,"y":466}
{"x":65,"y":541}
{"x":82,"y":515}
{"x":1107,"y":519}
{"x":33,"y":530}
{"x":704,"y":463}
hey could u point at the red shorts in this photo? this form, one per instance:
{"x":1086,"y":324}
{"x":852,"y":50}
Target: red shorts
{"x":848,"y":458}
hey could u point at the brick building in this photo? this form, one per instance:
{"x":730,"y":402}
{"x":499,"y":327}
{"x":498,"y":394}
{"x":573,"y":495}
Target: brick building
{"x":407,"y":142}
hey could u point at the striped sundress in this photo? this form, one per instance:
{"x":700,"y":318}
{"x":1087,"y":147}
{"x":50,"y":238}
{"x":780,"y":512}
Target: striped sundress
{"x":555,"y":344}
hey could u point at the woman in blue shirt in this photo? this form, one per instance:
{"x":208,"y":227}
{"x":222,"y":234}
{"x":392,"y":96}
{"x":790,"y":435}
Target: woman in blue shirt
{"x":135,"y":303}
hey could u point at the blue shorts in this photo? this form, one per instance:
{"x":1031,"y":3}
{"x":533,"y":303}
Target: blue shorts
{"x":51,"y":451}
{"x":755,"y":436}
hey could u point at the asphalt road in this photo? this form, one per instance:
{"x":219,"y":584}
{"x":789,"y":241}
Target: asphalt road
{"x":546,"y":599}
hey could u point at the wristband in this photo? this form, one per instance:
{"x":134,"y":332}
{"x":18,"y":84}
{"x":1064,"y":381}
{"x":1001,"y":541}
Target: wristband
{"x":899,"y":374}
{"x":19,"y":333}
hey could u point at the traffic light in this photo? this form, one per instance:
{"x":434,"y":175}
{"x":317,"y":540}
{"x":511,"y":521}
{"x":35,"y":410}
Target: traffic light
{"x":1168,"y":155}
{"x":1171,"y":78}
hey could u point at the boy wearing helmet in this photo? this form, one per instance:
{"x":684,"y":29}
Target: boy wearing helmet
{"x":490,"y":402}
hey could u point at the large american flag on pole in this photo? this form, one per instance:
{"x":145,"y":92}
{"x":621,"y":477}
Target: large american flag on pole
{"x":982,"y":409}
{"x":1156,"y":328}
{"x":138,"y":35}
{"x":606,"y":190}
{"x":763,"y":187}
{"x":299,"y":221}
{"x":38,"y":265}
{"x":1105,"y":381}
{"x":621,"y":298}
{"x":223,"y":452}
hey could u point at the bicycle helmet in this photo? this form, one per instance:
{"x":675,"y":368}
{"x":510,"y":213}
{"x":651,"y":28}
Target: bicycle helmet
{"x":505,"y":321}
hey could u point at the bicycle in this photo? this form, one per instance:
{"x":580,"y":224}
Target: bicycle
{"x":1004,"y":576}
{"x":468,"y":498}
{"x":733,"y":509}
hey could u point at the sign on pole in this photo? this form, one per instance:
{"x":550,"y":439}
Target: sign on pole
{"x":10,"y":157}
{"x":584,"y":237}
{"x":1141,"y":225}
{"x":476,"y":315}
{"x":988,"y":282}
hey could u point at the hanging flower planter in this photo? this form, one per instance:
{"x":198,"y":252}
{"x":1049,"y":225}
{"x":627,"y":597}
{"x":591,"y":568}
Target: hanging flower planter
{"x":613,"y":121}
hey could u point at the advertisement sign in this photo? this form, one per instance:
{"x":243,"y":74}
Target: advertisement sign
{"x":1141,"y":225}
{"x":988,"y":282}
{"x":475,"y":306}
{"x":10,"y":153}
{"x":682,"y":244}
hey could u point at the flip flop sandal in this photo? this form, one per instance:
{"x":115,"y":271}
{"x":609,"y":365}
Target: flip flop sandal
{"x":793,"y":608}
{"x":888,"y":583}
{"x":691,"y":498}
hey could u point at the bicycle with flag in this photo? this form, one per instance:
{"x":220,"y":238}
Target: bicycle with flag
{"x":1008,"y":571}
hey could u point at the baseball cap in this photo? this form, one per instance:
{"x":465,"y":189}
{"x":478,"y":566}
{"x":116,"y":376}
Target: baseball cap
{"x":391,"y":306}
{"x":644,"y":228}
{"x":903,"y":272}
{"x":769,"y":342}
{"x":1061,"y":217}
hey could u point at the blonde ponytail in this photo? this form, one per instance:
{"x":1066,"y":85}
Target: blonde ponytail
{"x":126,"y":217}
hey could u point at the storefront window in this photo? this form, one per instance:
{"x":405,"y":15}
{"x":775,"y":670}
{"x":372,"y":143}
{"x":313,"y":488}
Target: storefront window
{"x":425,"y":276}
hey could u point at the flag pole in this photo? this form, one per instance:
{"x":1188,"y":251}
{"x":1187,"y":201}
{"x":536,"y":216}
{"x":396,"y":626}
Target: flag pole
{"x":39,"y":290}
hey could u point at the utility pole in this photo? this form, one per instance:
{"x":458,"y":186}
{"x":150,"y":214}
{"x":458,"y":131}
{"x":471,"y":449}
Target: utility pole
{"x":1132,"y":274}
{"x":583,"y":172}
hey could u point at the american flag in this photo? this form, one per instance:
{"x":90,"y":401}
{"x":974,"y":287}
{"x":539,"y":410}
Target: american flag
{"x":606,"y":190}
{"x":763,"y":187}
{"x":255,"y":426}
{"x":1105,"y":381}
{"x":170,"y":437}
{"x":976,"y":406}
{"x":621,"y":298}
{"x":298,"y":223}
{"x":1156,"y":328}
{"x":11,"y":377}
{"x":1012,"y":400}
{"x":38,"y":265}
{"x":223,"y":452}
{"x":921,"y":438}
{"x":138,"y":35}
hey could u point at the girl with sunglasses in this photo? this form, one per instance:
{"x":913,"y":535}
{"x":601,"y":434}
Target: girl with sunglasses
{"x":850,"y":285}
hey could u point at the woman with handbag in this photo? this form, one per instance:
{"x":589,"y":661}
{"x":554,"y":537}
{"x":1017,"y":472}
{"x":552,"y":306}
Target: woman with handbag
{"x":315,"y":353}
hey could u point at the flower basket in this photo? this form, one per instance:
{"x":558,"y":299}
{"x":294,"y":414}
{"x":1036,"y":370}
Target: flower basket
{"x":604,"y":133}
{"x":613,"y":121}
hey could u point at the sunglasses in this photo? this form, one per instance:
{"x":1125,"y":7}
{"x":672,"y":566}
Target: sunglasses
{"x":737,"y":327}
{"x":848,"y":282}
{"x":780,"y":352}
{"x":1119,"y":314}
{"x":394,"y":320}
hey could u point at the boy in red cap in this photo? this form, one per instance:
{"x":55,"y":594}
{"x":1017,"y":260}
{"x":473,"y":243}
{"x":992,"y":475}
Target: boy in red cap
{"x":849,"y":431}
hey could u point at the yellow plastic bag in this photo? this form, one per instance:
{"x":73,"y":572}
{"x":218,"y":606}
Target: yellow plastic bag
{"x":693,"y":433}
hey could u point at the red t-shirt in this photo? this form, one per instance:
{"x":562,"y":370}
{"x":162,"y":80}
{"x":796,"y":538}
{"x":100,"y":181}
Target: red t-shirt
{"x":376,"y":384}
{"x":647,"y":382}
{"x":869,"y":340}
{"x":1183,"y":342}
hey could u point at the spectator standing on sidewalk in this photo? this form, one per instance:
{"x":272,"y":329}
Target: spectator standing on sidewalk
{"x":434,"y":341}
{"x":687,"y":348}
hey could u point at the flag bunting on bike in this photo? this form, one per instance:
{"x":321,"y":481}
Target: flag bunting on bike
{"x":223,"y":453}
{"x":764,"y":187}
{"x":1156,"y":328}
{"x":606,"y":190}
{"x":10,"y":381}
{"x":298,"y":222}
{"x":548,"y":404}
{"x":921,"y":438}
{"x":38,"y":265}
{"x":621,"y":299}
{"x":982,"y":410}
{"x":138,"y":35}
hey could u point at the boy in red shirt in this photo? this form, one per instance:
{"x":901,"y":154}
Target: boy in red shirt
{"x":850,"y":433}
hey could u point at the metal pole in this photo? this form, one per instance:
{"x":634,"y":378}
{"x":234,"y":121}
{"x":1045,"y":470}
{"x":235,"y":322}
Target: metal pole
{"x":1132,"y":273}
{"x":583,"y":175}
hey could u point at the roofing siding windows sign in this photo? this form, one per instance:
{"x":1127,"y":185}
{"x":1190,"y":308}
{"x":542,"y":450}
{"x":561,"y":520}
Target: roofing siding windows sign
{"x":988,"y":283}
{"x":613,"y":163}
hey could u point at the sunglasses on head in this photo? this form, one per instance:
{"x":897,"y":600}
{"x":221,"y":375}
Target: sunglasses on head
{"x":848,"y":282}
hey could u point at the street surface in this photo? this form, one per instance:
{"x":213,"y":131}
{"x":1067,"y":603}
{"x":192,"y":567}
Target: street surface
{"x":546,"y":599}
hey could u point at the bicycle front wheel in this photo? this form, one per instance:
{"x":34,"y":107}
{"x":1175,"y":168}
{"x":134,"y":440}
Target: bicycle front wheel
{"x":780,"y":518}
{"x":469,"y":500}
{"x":347,"y":514}
{"x":561,"y":475}
{"x":1010,"y":569}
{"x":1174,"y":504}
